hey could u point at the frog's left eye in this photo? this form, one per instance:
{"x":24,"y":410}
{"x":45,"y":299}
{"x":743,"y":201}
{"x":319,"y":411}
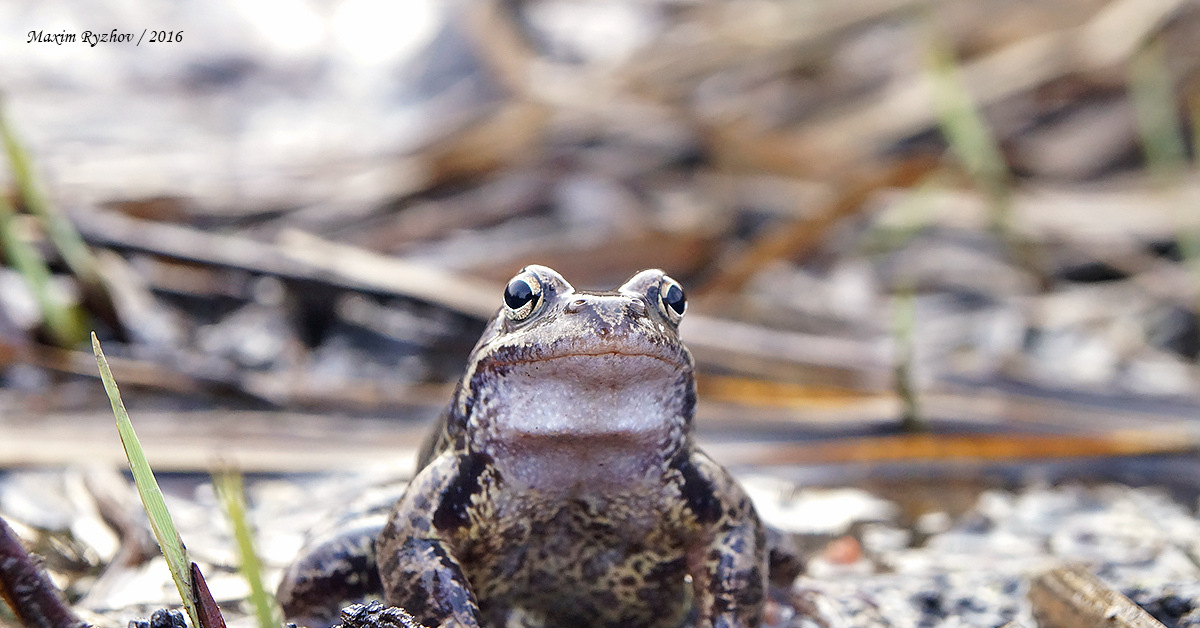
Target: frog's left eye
{"x":671,"y":300}
{"x":522,"y":296}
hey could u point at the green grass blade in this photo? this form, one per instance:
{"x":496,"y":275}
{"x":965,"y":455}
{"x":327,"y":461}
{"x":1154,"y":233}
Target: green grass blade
{"x":1194,"y":114}
{"x":1158,"y":121}
{"x":975,"y":146}
{"x":152,"y":498}
{"x":1161,"y":129}
{"x":970,"y":139}
{"x":233,"y":497}
{"x":913,"y":213}
{"x":65,"y":323}
{"x":75,"y":252}
{"x":904,"y":324}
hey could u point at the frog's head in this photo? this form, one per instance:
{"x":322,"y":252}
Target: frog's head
{"x":562,"y":368}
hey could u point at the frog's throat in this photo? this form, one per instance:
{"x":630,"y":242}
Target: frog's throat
{"x":567,"y":419}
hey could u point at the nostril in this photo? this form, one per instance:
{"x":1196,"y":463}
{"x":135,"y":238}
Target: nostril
{"x":637,"y":308}
{"x":576,"y":305}
{"x":578,"y":302}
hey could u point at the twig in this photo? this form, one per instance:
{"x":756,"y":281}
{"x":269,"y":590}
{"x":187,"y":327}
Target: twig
{"x":132,"y":371}
{"x":190,"y":441}
{"x":310,"y":391}
{"x":118,"y":505}
{"x":973,"y":448}
{"x":1110,"y":37}
{"x":494,"y":201}
{"x":507,"y":53}
{"x":739,"y":37}
{"x":802,"y":236}
{"x":680,"y":253}
{"x":1071,"y":597}
{"x":145,"y":320}
{"x":353,"y":266}
{"x":297,"y":256}
{"x":114,"y":229}
{"x":1091,"y":215}
{"x":711,"y":338}
{"x":32,"y":597}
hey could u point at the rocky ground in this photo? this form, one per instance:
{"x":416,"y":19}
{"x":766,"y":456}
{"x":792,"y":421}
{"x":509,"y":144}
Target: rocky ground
{"x":926,"y":244}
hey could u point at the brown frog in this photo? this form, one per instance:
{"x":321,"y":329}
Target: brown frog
{"x":562,"y":487}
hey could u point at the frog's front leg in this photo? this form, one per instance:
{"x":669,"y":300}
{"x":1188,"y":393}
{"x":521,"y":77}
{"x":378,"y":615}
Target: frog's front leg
{"x":418,"y":565}
{"x":728,"y":564}
{"x":425,"y":579}
{"x":332,"y":571}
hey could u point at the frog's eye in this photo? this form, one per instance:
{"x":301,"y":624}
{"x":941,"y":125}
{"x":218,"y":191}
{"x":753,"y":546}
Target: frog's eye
{"x":522,"y":296}
{"x":671,"y":300}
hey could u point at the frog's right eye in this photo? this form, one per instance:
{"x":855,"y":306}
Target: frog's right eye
{"x":522,"y":296}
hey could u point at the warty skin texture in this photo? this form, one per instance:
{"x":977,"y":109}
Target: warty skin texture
{"x":563,"y":487}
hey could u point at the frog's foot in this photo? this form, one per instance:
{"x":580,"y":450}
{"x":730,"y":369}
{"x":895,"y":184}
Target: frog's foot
{"x":784,"y":559}
{"x":161,"y":618}
{"x":375,"y":615}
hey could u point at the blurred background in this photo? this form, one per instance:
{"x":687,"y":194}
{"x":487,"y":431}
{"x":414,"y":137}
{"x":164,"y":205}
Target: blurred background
{"x":931,"y":248}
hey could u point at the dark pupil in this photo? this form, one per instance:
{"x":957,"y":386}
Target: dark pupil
{"x":675,"y":300}
{"x":517,"y":294}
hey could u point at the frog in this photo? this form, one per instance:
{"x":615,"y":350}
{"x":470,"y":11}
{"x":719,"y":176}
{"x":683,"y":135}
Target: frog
{"x":562,"y":486}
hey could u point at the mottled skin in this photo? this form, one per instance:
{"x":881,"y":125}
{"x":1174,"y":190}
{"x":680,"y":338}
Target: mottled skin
{"x":563,"y":486}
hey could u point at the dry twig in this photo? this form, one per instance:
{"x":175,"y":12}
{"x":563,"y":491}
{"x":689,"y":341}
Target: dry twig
{"x":1071,"y":597}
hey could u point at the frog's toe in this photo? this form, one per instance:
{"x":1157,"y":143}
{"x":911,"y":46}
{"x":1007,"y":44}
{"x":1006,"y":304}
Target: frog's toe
{"x":161,"y":618}
{"x":375,"y":615}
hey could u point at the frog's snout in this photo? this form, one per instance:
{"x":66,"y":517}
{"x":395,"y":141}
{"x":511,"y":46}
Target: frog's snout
{"x":614,"y":310}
